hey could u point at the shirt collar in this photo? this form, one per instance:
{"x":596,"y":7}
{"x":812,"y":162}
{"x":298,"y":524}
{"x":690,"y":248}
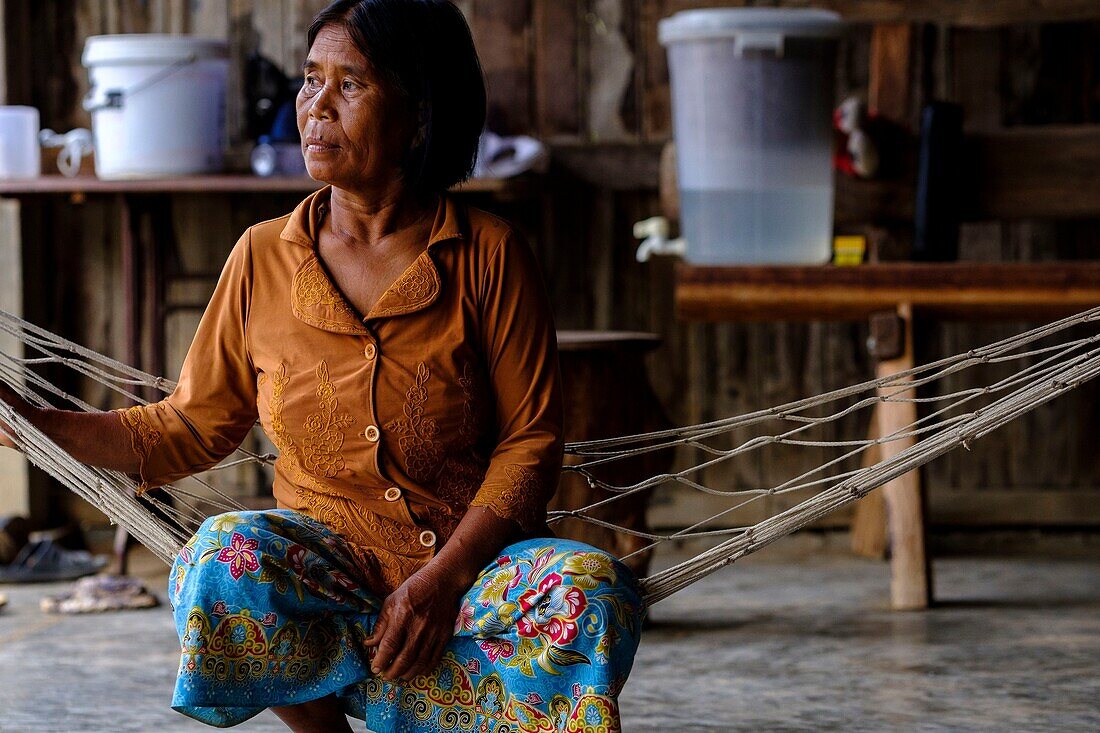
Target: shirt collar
{"x":318,"y":302}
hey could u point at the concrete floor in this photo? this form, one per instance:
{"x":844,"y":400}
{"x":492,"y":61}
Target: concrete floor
{"x":797,"y":638}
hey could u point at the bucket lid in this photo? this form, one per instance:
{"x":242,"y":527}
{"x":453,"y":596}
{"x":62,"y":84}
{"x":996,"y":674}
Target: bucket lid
{"x":148,"y":48}
{"x":718,"y":23}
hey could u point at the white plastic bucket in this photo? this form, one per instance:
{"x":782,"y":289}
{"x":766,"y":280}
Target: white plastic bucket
{"x":752,"y":97}
{"x":157,"y":104}
{"x":20,"y":154}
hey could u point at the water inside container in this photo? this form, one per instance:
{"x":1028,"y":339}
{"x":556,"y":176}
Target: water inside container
{"x":786,"y":225}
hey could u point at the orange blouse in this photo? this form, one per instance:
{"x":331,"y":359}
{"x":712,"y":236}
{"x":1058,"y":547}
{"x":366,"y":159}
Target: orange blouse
{"x":446,"y":395}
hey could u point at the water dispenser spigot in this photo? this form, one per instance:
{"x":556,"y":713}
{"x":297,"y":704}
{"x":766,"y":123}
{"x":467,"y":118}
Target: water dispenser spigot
{"x":654,"y":235}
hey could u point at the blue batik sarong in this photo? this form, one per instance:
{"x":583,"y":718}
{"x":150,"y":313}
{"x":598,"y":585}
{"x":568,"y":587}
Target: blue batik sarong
{"x":270,"y":612}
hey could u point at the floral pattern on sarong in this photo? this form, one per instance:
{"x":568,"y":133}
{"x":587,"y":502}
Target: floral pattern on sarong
{"x":270,"y":612}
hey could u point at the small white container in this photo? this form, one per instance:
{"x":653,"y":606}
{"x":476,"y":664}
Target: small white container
{"x":157,"y":104}
{"x":20,"y":154}
{"x":752,"y":100}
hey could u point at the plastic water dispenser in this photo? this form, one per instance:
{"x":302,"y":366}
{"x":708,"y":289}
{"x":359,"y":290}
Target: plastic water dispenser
{"x":752,"y":98}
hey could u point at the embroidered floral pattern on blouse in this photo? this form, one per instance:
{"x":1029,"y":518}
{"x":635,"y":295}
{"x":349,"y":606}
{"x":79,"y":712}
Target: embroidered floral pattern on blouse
{"x":416,"y":287}
{"x":471,"y":405}
{"x":143,"y":438}
{"x":417,"y":433}
{"x":316,"y":301}
{"x":348,"y":518}
{"x":442,"y":520}
{"x":459,"y":480}
{"x":279,"y":434}
{"x":321,"y":447}
{"x":521,"y":500}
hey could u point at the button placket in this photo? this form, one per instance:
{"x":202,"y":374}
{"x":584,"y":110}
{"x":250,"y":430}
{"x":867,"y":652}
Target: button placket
{"x":372,"y":434}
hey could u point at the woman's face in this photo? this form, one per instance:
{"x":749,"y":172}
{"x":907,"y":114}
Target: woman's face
{"x":355,"y":129}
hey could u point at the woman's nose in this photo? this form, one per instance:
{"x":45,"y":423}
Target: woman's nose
{"x":320,"y":107}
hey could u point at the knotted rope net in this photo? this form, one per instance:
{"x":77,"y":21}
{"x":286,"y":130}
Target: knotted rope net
{"x":1030,"y":371}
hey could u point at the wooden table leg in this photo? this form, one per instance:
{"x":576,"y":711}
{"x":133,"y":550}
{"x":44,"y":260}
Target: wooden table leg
{"x":868,"y":533}
{"x":911,"y":575}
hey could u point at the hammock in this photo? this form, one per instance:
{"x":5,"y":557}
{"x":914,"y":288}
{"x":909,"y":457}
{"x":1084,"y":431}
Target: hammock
{"x":165,"y":518}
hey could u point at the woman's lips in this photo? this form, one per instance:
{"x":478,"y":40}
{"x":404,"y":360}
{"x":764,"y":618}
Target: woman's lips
{"x":314,"y":145}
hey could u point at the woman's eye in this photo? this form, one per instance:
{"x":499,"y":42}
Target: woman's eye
{"x":311,"y":82}
{"x":349,"y":86}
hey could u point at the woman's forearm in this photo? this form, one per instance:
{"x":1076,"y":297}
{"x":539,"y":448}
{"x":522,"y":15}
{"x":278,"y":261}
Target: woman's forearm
{"x":95,"y":438}
{"x":477,"y":540}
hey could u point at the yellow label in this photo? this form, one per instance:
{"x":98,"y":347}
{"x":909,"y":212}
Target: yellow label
{"x":849,"y":250}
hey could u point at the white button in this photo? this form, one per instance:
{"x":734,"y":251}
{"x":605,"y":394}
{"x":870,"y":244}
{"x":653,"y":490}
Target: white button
{"x":370,"y":352}
{"x":393,"y":493}
{"x":372,"y":434}
{"x":427,"y":538}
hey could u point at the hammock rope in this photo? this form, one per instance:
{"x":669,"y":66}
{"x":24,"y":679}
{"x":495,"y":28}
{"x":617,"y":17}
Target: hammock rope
{"x":164,"y":519}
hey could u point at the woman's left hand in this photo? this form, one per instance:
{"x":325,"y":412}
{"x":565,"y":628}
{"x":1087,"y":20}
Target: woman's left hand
{"x":415,"y":624}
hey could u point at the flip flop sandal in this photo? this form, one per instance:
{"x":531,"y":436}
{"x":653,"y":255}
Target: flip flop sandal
{"x":44,"y":561}
{"x":101,"y":593}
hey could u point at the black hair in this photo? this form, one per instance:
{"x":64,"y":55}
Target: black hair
{"x":425,"y":50}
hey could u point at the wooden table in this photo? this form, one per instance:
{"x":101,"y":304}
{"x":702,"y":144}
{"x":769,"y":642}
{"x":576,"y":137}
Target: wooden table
{"x":901,"y":291}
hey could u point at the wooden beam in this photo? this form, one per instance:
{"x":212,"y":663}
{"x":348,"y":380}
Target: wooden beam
{"x":502,"y":34}
{"x":888,"y":86}
{"x":617,"y":166}
{"x":557,"y":78}
{"x":964,"y":290}
{"x":1046,"y":172}
{"x":947,"y":508}
{"x":1039,"y":507}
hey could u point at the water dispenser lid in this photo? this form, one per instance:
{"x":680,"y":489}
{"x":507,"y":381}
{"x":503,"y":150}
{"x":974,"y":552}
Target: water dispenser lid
{"x":150,"y":48}
{"x":719,"y":23}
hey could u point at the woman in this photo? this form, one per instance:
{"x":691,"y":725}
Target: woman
{"x":398,"y":348}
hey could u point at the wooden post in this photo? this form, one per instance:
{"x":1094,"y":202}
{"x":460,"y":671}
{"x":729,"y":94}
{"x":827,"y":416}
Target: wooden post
{"x":131,"y":284}
{"x":14,"y":481}
{"x":911,"y":576}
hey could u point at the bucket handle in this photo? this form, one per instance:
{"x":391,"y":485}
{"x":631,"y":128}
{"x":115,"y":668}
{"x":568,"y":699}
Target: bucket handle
{"x":114,"y":98}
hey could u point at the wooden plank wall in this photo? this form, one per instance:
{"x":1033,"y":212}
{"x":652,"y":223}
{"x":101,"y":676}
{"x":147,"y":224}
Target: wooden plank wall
{"x":590,"y":77}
